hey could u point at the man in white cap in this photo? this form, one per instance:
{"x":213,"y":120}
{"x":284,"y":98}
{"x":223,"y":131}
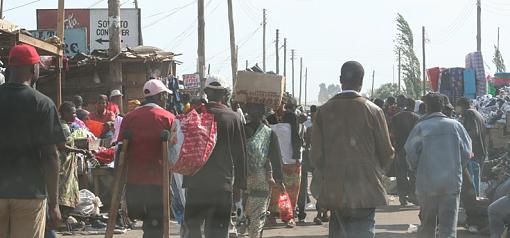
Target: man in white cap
{"x":113,"y":102}
{"x":210,"y":191}
{"x":145,"y":176}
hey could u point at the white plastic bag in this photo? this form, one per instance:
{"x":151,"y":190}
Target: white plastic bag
{"x":89,"y":204}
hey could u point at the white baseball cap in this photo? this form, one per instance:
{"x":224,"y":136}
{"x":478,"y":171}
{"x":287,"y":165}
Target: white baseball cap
{"x":115,"y":92}
{"x":154,"y":87}
{"x":215,"y":82}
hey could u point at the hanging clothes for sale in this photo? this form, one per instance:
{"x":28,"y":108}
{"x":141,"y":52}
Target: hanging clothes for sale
{"x":433,"y":74}
{"x":475,"y":61}
{"x":470,"y":83}
{"x":451,"y":83}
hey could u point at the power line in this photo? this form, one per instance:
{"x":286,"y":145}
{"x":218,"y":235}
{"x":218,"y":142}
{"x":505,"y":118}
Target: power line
{"x":20,"y":6}
{"x":96,"y":3}
{"x":174,"y":11}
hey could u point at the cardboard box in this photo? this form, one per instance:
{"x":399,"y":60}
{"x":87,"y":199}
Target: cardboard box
{"x":261,"y":88}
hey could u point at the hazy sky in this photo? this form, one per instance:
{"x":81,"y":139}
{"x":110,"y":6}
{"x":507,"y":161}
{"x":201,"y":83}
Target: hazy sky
{"x":325,"y":33}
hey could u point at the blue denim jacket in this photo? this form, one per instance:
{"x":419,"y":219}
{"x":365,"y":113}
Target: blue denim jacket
{"x":437,"y":150}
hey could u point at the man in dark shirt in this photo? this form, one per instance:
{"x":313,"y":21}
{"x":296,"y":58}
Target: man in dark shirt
{"x":401,"y":125}
{"x":209,"y":192}
{"x":30,"y":130}
{"x":474,"y":124}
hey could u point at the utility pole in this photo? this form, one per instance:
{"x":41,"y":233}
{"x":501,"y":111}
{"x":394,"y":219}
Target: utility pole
{"x":373,"y":80}
{"x":246,"y":64}
{"x":292,"y":59}
{"x":208,"y":69}
{"x":285,"y":57}
{"x":60,"y":35}
{"x":201,"y":45}
{"x":233,"y":57}
{"x":264,"y":40}
{"x":115,"y":45}
{"x":306,"y":84}
{"x":140,"y":37}
{"x":424,"y":65}
{"x":300,"y":78}
{"x":277,"y":53}
{"x":479,"y":26}
{"x":1,"y":9}
{"x":399,"y":68}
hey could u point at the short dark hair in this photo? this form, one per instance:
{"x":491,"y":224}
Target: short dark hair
{"x":410,"y":103}
{"x":352,"y":73}
{"x":313,"y":108}
{"x":463,"y":102}
{"x":379,"y":102}
{"x":66,"y":106}
{"x":391,"y":100}
{"x":434,"y":102}
{"x":102,"y":97}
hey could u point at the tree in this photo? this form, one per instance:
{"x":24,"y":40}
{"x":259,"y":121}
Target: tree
{"x":410,"y":65}
{"x":386,"y":90}
{"x":325,"y":93}
{"x":498,"y":60}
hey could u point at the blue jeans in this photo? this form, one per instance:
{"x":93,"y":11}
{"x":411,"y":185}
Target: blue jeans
{"x":352,"y":223}
{"x":474,"y":172}
{"x":499,"y":215}
{"x":443,"y":209}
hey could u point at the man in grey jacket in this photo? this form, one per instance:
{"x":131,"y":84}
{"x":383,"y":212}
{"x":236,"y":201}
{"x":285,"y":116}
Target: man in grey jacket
{"x":437,"y":150}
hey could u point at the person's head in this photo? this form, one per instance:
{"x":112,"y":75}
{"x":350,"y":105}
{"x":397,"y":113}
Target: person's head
{"x":379,"y":102}
{"x":101,"y":102}
{"x":302,"y":118}
{"x":313,"y":111}
{"x":401,"y":101}
{"x":23,"y":64}
{"x":422,"y":109}
{"x":351,"y":76}
{"x":78,"y":101}
{"x":434,"y":102}
{"x":216,"y":89}
{"x":390,"y":102}
{"x":255,"y":112}
{"x":409,"y":104}
{"x":291,"y":104}
{"x":67,"y":112}
{"x":115,"y":96}
{"x":185,"y":98}
{"x":462,"y":105}
{"x":132,"y":104}
{"x":156,"y":92}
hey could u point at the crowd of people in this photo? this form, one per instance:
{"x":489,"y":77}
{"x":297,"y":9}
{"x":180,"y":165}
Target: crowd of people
{"x":349,"y":145}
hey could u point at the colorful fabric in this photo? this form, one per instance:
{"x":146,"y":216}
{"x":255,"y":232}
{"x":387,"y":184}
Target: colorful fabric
{"x":292,"y":181}
{"x":69,"y":191}
{"x":475,"y":61}
{"x":113,"y":107}
{"x":433,"y":75}
{"x":258,"y":192}
{"x":470,"y":83}
{"x":104,"y":117}
{"x":451,"y":83}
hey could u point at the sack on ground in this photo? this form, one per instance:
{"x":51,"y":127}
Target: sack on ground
{"x":192,"y":141}
{"x":89,"y":204}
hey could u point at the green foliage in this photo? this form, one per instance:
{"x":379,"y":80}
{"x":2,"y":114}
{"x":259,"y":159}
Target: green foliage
{"x":410,"y":65}
{"x":498,"y":60}
{"x":386,"y":90}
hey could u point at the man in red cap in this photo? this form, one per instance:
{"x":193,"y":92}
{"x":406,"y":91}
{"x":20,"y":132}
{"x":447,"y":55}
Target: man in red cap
{"x":144,"y":177}
{"x":30,"y":131}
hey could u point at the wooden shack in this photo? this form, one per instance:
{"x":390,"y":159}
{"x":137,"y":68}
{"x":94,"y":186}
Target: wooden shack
{"x":88,"y":75}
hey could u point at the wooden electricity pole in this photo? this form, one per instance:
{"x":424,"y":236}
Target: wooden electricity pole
{"x":115,"y":46}
{"x":479,"y":26}
{"x":292,"y":59}
{"x":285,"y":57}
{"x":246,"y":64}
{"x":264,"y":40}
{"x":201,"y":45}
{"x":277,"y":52}
{"x":399,"y":68}
{"x":140,"y":37}
{"x":300,"y":78}
{"x":1,"y":9}
{"x":306,"y":84}
{"x":423,"y":40}
{"x":60,"y":35}
{"x":233,"y":57}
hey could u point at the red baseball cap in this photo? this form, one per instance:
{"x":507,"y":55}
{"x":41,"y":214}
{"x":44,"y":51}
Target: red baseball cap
{"x":23,"y":54}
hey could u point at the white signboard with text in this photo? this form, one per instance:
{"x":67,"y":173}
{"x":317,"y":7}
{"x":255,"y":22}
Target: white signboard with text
{"x":99,"y":27}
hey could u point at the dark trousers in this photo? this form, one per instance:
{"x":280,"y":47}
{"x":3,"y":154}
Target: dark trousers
{"x":211,"y":208}
{"x":405,"y":179}
{"x":303,"y":198}
{"x":145,"y":202}
{"x":352,"y":223}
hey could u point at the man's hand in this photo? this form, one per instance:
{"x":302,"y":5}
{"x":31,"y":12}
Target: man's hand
{"x":282,"y":188}
{"x":55,"y":217}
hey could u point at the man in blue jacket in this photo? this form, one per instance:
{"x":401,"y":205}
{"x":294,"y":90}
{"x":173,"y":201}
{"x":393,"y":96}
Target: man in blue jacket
{"x":437,"y":150}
